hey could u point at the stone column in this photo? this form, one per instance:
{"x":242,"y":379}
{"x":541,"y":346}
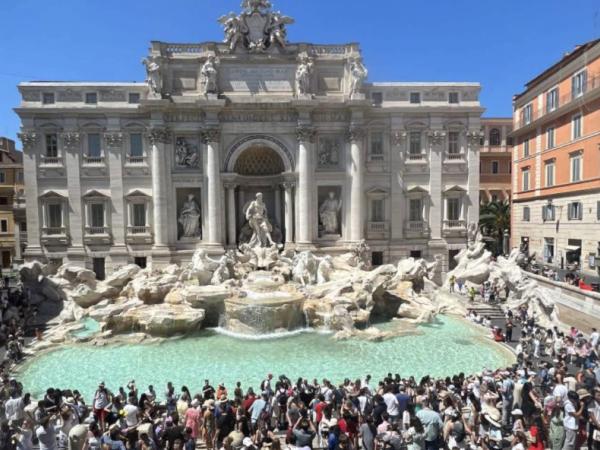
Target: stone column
{"x":231,"y":213}
{"x":159,"y":137}
{"x":289,"y":212}
{"x":398,"y":201}
{"x":436,"y":140}
{"x":212,"y":137}
{"x":71,"y":141}
{"x":18,"y":257}
{"x":30,"y":141}
{"x":473,"y":145}
{"x":305,"y":185}
{"x":116,"y":215}
{"x":356,"y":174}
{"x":278,"y":205}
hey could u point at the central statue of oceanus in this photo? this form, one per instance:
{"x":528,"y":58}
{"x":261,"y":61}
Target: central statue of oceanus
{"x":257,"y":217}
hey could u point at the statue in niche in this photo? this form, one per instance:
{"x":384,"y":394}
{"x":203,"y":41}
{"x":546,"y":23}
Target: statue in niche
{"x":303,"y":74}
{"x":329,"y":152}
{"x":329,"y":212}
{"x":359,"y":74}
{"x":153,"y":75}
{"x":189,"y":218}
{"x":186,"y":155}
{"x":209,"y":76}
{"x":256,"y":215}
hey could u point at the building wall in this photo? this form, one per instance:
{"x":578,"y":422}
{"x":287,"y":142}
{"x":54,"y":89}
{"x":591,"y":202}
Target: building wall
{"x":563,"y":189}
{"x":496,"y":185}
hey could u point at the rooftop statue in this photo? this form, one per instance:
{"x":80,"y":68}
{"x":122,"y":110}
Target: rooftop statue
{"x":256,"y":29}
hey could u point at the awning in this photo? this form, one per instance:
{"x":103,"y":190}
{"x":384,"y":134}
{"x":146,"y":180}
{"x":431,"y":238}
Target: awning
{"x":573,"y":248}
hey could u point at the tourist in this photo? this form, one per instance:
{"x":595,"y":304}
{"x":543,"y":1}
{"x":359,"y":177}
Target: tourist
{"x":432,"y":423}
{"x":573,"y":410}
{"x":102,"y":400}
{"x":209,"y":424}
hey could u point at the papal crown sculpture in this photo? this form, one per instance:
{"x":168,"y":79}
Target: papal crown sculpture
{"x":257,"y":28}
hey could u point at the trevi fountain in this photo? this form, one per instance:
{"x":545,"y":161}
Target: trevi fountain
{"x":263,"y":307}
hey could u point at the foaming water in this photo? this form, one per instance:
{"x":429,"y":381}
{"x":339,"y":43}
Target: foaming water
{"x":446,"y":347}
{"x":264,"y":337}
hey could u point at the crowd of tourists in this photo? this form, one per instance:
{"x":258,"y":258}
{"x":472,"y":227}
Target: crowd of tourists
{"x":549,"y":399}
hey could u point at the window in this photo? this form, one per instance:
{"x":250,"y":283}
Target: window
{"x":598,"y":210}
{"x":51,"y":146}
{"x":552,"y":100}
{"x":576,"y":167}
{"x":578,"y":84}
{"x":377,"y":98}
{"x":453,"y":208}
{"x":4,"y":226}
{"x":138,"y":215}
{"x":99,"y":268}
{"x":550,"y":137}
{"x":453,"y":142}
{"x":377,"y":146}
{"x":48,"y":98}
{"x":91,"y":98}
{"x":94,"y":146}
{"x":415,"y":254}
{"x":415,"y":210}
{"x":414,"y":147}
{"x":376,"y":258}
{"x":3,"y":200}
{"x":576,"y":126}
{"x":377,"y":210}
{"x":494,"y":197}
{"x":526,"y":215}
{"x":550,"y":173}
{"x":136,"y":145}
{"x":509,"y":141}
{"x":415,"y":97}
{"x":525,"y":148}
{"x":55,"y":215}
{"x":575,"y":211}
{"x":548,"y":250}
{"x":527,"y":114}
{"x":453,"y":97}
{"x":134,"y":97}
{"x":495,"y":137}
{"x":2,"y":177}
{"x":494,"y":166}
{"x":548,"y":213}
{"x":525,"y":180}
{"x":97,"y":215}
{"x":20,"y":176}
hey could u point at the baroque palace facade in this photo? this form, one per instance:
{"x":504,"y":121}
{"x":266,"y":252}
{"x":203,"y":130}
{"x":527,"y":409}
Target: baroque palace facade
{"x":147,"y":172}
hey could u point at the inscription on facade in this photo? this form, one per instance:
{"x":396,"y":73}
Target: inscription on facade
{"x":278,"y":78}
{"x":258,"y":116}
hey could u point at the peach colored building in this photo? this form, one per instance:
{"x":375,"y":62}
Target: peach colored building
{"x":495,"y":162}
{"x":556,"y":162}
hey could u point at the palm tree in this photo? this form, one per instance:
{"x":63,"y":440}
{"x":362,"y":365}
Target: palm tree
{"x":494,"y":218}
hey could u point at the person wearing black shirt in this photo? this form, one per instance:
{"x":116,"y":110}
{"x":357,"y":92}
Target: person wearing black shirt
{"x":208,"y":392}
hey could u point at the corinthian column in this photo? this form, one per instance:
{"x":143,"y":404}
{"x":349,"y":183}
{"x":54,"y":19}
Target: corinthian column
{"x":231,"y":222}
{"x":305,"y":185}
{"x":289,"y":212}
{"x":356,"y":174}
{"x":159,"y":137}
{"x":212,"y":137}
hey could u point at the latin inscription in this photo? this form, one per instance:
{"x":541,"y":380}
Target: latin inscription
{"x":258,"y":79}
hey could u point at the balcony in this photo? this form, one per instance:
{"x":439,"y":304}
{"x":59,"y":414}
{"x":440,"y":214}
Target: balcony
{"x":454,"y":228}
{"x":592,"y":83}
{"x":55,"y":236}
{"x":454,"y":157}
{"x":93,"y":160}
{"x":378,"y":230}
{"x":416,"y":229}
{"x":415,"y":157}
{"x":135,"y":160}
{"x":97,"y":235}
{"x":139,"y":235}
{"x":51,"y":161}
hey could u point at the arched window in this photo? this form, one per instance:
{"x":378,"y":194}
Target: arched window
{"x":494,"y":136}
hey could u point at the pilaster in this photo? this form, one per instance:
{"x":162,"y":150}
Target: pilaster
{"x":306,"y":138}
{"x":31,"y":141}
{"x":356,"y":175}
{"x":71,"y":144}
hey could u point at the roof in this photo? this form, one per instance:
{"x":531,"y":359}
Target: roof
{"x":566,"y":59}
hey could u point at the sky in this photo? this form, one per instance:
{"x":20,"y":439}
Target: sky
{"x":501,"y":44}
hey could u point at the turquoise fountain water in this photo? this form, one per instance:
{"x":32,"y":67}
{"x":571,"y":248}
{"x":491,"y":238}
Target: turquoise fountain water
{"x":446,"y":347}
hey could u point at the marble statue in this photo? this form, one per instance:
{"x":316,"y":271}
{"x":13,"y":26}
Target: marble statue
{"x":235,"y":30}
{"x":303,"y":74}
{"x":325,"y":269}
{"x":329,"y":212}
{"x":222,"y":273}
{"x":329,"y":152}
{"x":255,"y":5}
{"x":359,"y":74}
{"x":276,"y":29}
{"x":256,"y":215}
{"x":209,"y":76}
{"x":186,"y":155}
{"x":189,"y":217}
{"x":154,"y":77}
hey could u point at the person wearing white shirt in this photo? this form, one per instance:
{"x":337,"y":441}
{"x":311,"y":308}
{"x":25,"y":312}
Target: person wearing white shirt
{"x":391,"y":403}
